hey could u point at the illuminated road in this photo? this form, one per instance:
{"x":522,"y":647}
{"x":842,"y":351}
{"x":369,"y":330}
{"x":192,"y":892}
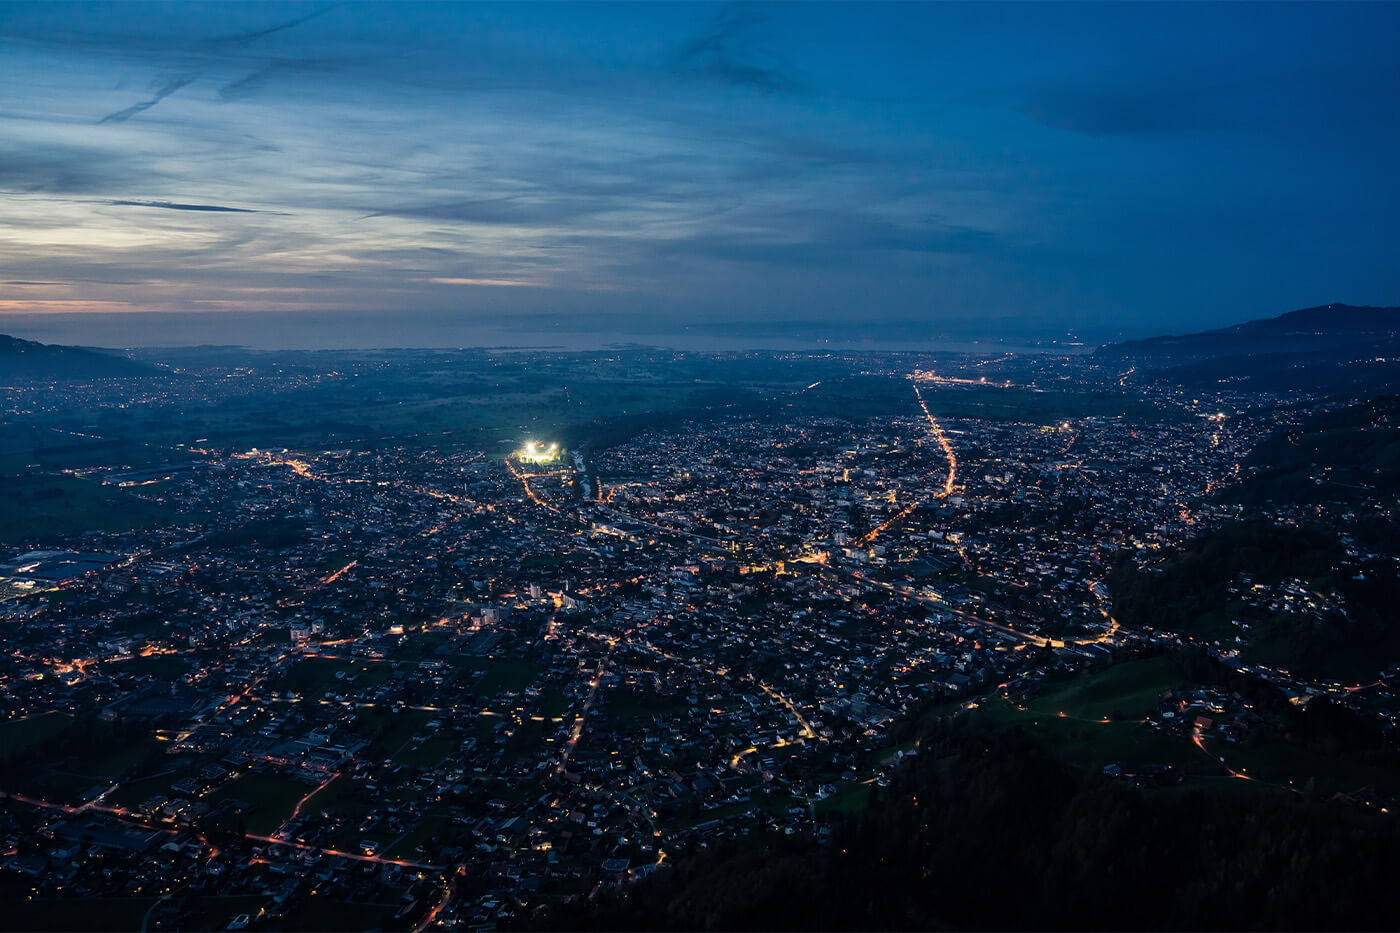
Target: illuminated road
{"x":529,"y":493}
{"x":449,"y":889}
{"x":890,"y":522}
{"x":619,"y":515}
{"x":126,"y":816}
{"x":796,"y":714}
{"x":577,"y":731}
{"x":914,"y":595}
{"x":930,"y":377}
{"x":949,"y":483}
{"x":339,"y":573}
{"x":359,"y":857}
{"x":1196,"y":739}
{"x":296,"y":811}
{"x":1112,"y":629}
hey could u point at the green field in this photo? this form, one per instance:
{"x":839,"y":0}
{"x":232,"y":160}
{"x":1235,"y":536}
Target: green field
{"x":388,"y":730}
{"x":101,"y":913}
{"x":18,"y":735}
{"x":502,"y":674}
{"x":163,"y":666}
{"x":312,"y":677}
{"x":432,"y":750}
{"x":273,"y":798}
{"x":1049,"y":407}
{"x":848,"y":798}
{"x":44,"y":506}
{"x":1296,"y":767}
{"x":553,"y":704}
{"x":877,"y":396}
{"x":31,"y":447}
{"x":1096,"y":719}
{"x":473,"y":399}
{"x":631,"y":707}
{"x":1123,"y":691}
{"x":776,"y":805}
{"x":329,"y":913}
{"x":133,"y":758}
{"x":214,"y":913}
{"x":340,"y":796}
{"x":405,"y":847}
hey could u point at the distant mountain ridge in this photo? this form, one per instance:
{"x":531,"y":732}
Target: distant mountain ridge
{"x":30,"y":360}
{"x":1307,"y":330}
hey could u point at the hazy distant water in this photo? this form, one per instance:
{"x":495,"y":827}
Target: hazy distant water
{"x":272,"y":331}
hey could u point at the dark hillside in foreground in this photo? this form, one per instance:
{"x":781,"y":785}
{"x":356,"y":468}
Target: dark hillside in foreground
{"x":1226,"y":586}
{"x":26,"y":360}
{"x":988,"y":828}
{"x":1347,"y":370}
{"x":1338,"y":456}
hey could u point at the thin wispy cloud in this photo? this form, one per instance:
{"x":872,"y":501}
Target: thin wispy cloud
{"x":263,"y":33}
{"x":504,"y":283}
{"x":174,"y":206}
{"x":159,"y":93}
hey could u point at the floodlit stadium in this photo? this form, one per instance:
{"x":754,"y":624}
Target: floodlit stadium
{"x":535,"y":452}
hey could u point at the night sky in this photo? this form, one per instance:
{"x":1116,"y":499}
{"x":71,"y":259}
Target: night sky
{"x":414,"y":174}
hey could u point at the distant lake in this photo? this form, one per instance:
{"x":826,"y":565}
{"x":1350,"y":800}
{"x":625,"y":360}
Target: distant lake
{"x":349,"y":330}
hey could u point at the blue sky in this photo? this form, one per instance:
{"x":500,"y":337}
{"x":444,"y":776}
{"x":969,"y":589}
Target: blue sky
{"x":892,"y":168}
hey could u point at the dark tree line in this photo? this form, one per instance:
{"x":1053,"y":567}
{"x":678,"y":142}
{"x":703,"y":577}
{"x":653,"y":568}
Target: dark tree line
{"x":989,"y":830}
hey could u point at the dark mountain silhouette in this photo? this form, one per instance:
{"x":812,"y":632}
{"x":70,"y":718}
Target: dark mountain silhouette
{"x":27,"y":360}
{"x":1333,"y":349}
{"x":1309,"y":330}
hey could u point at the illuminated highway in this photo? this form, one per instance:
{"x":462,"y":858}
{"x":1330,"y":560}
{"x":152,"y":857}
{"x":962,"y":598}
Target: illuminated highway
{"x":126,"y":816}
{"x":949,"y":482}
{"x":339,"y":573}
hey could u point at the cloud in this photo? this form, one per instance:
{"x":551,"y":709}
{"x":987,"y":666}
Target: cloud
{"x":511,"y":211}
{"x":512,"y":283}
{"x":262,"y":76}
{"x":44,"y":167}
{"x":279,"y":27}
{"x":730,"y":51}
{"x":251,"y":84}
{"x":161,"y":92}
{"x":64,"y":305}
{"x":173,"y":206}
{"x":191,"y":56}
